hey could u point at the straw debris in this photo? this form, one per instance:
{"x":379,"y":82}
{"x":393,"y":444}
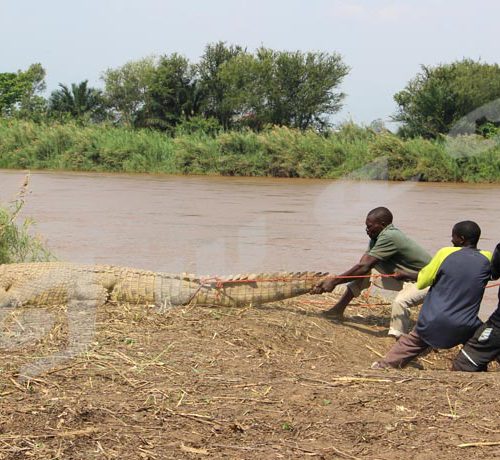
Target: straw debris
{"x":279,"y":381}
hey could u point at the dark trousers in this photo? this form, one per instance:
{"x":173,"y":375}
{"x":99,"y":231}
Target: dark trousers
{"x":482,"y":348}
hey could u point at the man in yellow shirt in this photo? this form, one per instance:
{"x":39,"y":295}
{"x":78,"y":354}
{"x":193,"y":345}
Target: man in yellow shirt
{"x":457,"y":277}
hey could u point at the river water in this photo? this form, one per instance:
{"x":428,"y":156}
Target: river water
{"x":219,"y":225}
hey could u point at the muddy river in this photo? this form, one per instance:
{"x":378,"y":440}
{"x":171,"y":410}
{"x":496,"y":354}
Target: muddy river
{"x":214,"y":225}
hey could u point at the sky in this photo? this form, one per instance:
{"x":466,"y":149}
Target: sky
{"x":384,"y":42}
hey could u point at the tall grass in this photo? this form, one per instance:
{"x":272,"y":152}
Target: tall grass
{"x":351,"y":151}
{"x":17,"y":244}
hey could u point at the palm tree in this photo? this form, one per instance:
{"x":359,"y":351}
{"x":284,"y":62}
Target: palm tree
{"x":78,"y":102}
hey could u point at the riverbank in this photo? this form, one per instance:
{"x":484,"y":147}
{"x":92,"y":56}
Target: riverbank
{"x":352,"y":151}
{"x":279,"y":381}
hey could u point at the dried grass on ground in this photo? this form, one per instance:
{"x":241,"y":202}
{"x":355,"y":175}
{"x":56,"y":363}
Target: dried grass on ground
{"x":273,"y":382}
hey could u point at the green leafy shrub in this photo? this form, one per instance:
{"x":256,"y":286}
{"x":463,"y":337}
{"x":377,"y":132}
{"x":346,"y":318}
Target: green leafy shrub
{"x":350,"y":151}
{"x":17,"y":244}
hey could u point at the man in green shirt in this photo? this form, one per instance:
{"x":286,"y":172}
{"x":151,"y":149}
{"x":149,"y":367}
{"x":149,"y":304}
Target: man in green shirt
{"x":389,"y":250}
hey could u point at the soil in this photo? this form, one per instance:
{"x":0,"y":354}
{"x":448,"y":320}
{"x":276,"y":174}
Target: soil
{"x":277,"y":381}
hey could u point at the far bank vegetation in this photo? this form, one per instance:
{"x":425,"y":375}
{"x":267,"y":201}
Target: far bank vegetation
{"x":266,"y":113}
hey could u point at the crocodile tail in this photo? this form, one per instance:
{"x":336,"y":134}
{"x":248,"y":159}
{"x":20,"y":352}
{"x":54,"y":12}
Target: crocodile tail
{"x":255,"y":289}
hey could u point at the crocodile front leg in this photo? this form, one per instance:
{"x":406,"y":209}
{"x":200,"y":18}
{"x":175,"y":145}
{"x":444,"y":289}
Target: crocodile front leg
{"x":7,"y":300}
{"x":84,"y":300}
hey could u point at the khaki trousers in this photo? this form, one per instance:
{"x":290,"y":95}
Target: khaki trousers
{"x":408,"y":296}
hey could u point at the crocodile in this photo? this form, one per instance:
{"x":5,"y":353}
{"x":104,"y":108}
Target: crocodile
{"x":57,"y":283}
{"x":85,"y":288}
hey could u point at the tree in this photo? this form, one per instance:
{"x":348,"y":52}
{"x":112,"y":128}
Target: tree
{"x":294,"y":89}
{"x":79,"y":102}
{"x":10,"y":92}
{"x":173,"y":94}
{"x":438,"y":97}
{"x":214,"y":89}
{"x":126,"y":88}
{"x":32,"y":105}
{"x":20,"y":92}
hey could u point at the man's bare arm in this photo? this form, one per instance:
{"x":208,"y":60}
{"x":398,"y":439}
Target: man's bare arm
{"x":403,"y":275}
{"x":363,"y":267}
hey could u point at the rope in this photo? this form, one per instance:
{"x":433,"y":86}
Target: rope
{"x":203,"y":283}
{"x":374,"y":275}
{"x":220,"y":283}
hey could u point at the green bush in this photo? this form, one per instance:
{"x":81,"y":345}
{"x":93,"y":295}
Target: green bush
{"x":351,"y":151}
{"x":16,"y":242}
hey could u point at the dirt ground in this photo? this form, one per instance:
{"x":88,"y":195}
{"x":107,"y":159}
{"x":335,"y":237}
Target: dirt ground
{"x":278,"y":381}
